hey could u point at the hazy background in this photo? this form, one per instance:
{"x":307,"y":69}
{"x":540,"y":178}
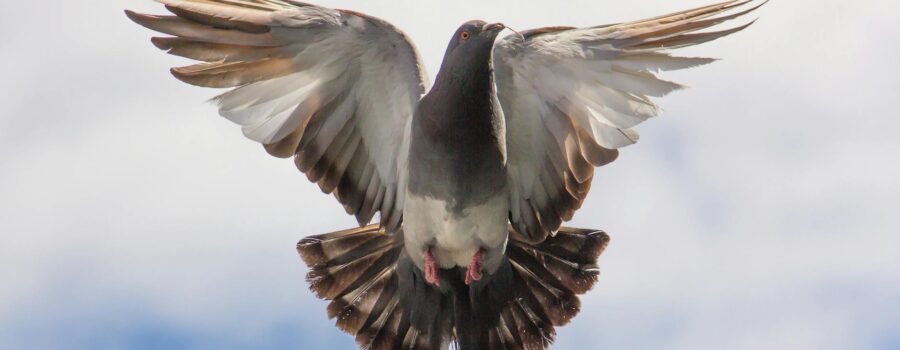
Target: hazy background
{"x":759,"y":212}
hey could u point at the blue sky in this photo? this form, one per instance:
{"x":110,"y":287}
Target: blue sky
{"x":758,"y":212}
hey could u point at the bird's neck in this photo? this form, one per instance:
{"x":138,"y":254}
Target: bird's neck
{"x":460,"y":114}
{"x":476,"y":76}
{"x":465,"y":92}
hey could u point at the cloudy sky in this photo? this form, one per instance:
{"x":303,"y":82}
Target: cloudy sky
{"x":759,"y":212}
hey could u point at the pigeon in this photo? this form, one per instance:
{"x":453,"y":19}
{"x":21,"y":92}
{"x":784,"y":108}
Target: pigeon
{"x":472,"y":177}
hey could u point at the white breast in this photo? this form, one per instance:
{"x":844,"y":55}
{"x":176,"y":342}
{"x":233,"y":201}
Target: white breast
{"x":454,"y":237}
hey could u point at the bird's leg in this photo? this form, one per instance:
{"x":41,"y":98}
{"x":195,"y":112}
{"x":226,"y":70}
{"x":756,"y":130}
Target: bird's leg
{"x":473,"y":272}
{"x":432,"y":270}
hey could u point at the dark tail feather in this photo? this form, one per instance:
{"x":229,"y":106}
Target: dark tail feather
{"x":379,"y":296}
{"x":357,"y":270}
{"x":535,"y":291}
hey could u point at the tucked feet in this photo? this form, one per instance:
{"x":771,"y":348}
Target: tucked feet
{"x":473,"y":272}
{"x":432,"y":270}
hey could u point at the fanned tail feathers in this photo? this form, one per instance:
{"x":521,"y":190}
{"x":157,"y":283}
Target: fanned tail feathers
{"x":357,"y":271}
{"x":546,"y":280}
{"x":381,"y":298}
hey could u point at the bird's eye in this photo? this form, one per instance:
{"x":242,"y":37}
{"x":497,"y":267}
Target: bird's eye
{"x":464,"y":35}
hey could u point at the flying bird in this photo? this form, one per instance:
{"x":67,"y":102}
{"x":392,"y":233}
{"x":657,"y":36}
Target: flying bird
{"x":472,"y":177}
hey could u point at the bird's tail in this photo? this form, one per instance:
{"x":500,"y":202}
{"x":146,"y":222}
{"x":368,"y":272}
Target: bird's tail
{"x":534,"y":291}
{"x":357,"y":271}
{"x":378,"y":295}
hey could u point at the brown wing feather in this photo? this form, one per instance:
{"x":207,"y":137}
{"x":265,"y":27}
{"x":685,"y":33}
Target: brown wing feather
{"x":688,"y":39}
{"x":210,"y":52}
{"x":183,"y":28}
{"x":233,"y":74}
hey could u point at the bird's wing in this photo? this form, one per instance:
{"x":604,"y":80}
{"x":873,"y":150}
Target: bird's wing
{"x":334,"y":89}
{"x":572,"y":96}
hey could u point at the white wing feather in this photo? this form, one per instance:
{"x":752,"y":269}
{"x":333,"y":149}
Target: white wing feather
{"x":572,"y":96}
{"x":334,"y":88}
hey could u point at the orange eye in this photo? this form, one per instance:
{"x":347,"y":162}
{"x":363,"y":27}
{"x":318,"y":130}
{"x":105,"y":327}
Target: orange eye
{"x":464,"y":35}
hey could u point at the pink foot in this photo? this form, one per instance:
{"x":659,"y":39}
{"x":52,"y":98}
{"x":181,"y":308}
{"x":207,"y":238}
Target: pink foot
{"x":473,"y":273}
{"x":432,"y":271}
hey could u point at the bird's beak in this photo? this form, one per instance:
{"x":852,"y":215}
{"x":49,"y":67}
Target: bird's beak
{"x":493,"y":27}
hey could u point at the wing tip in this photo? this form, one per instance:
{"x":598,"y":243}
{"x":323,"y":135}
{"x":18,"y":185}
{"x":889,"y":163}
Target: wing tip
{"x":134,"y":16}
{"x":140,"y":18}
{"x":162,"y":43}
{"x":742,"y":13}
{"x":180,"y":75}
{"x":727,"y":32}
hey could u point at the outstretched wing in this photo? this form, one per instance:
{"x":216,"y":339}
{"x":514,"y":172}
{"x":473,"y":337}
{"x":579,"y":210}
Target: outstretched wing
{"x":571,"y":97}
{"x":335,"y":89}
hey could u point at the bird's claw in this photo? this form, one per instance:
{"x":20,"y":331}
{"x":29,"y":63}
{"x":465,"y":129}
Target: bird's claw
{"x":432,"y":271}
{"x":473,"y":272}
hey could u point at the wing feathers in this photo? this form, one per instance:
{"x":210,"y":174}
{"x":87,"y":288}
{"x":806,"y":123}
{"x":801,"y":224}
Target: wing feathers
{"x":652,"y":61}
{"x":588,"y":87}
{"x":686,"y":40}
{"x":332,"y":152}
{"x":307,"y":82}
{"x":180,"y":27}
{"x":594,"y":153}
{"x":232,"y":74}
{"x":194,"y":12}
{"x":210,"y":52}
{"x":692,"y":14}
{"x":373,"y":195}
{"x":691,"y":26}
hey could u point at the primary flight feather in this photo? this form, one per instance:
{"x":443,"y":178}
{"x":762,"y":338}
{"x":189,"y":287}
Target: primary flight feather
{"x":472,"y":177}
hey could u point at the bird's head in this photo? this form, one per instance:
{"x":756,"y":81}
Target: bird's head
{"x":474,"y":39}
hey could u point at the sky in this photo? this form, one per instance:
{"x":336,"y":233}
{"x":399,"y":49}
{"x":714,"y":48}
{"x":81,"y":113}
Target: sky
{"x":760,"y":211}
